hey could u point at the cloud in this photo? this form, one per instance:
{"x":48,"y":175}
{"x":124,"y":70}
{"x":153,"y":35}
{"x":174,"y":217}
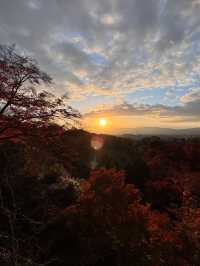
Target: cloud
{"x":72,"y":57}
{"x":186,"y":112}
{"x":110,"y":47}
{"x":192,"y":96}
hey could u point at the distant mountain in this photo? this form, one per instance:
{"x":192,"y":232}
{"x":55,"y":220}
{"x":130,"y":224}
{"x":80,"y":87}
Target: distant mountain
{"x":156,"y":131}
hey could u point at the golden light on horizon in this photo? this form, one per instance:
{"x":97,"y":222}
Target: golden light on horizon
{"x":120,"y":124}
{"x":103,"y":122}
{"x":107,"y":124}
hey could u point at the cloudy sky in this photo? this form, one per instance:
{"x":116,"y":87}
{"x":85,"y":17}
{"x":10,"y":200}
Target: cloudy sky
{"x":135,"y":62}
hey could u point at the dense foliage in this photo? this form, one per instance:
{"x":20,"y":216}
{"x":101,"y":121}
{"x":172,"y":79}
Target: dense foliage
{"x":22,"y":106}
{"x":55,"y":210}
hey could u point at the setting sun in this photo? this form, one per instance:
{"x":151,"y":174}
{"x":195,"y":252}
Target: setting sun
{"x":103,"y":122}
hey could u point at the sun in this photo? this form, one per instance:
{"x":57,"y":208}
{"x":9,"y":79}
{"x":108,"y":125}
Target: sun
{"x":103,"y":122}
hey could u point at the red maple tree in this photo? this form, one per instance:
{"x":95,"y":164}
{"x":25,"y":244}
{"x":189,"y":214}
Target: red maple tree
{"x":22,"y":105}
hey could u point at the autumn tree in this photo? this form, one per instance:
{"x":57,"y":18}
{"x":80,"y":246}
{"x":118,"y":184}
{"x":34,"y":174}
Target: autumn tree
{"x":22,"y":104}
{"x":109,"y":225}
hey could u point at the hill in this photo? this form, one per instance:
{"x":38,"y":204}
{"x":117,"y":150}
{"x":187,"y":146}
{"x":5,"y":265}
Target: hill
{"x":157,"y":131}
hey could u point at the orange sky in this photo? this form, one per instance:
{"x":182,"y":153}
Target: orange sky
{"x":118,"y":124}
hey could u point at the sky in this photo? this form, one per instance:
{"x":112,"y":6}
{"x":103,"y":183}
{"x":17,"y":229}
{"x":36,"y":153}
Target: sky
{"x":134,"y":62}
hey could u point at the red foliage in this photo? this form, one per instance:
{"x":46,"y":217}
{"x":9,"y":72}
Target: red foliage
{"x":111,"y":226}
{"x":163,"y":194}
{"x":22,"y":107}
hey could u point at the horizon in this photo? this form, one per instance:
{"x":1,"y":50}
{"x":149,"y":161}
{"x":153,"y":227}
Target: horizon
{"x":148,"y":131}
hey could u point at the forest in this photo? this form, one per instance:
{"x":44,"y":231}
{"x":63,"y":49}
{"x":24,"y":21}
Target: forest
{"x":71,"y":197}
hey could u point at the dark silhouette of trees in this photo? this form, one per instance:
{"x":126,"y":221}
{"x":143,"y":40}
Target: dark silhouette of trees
{"x":50,"y":218}
{"x":22,"y":106}
{"x":164,"y":195}
{"x":110,"y":225}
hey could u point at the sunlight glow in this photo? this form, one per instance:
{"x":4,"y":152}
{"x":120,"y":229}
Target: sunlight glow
{"x":103,"y":122}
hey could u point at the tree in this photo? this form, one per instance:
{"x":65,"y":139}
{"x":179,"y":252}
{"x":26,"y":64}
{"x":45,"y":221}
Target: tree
{"x":22,"y":105}
{"x":109,"y":225}
{"x":164,"y":194}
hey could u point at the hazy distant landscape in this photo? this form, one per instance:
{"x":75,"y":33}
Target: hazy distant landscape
{"x":166,"y":131}
{"x":155,"y":131}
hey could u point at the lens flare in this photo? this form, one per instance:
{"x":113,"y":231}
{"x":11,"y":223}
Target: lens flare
{"x":97,"y":142}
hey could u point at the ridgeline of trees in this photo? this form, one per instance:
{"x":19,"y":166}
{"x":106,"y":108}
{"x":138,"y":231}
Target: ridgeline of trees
{"x":140,"y":206}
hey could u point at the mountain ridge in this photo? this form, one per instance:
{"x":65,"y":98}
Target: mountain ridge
{"x":162,"y":131}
